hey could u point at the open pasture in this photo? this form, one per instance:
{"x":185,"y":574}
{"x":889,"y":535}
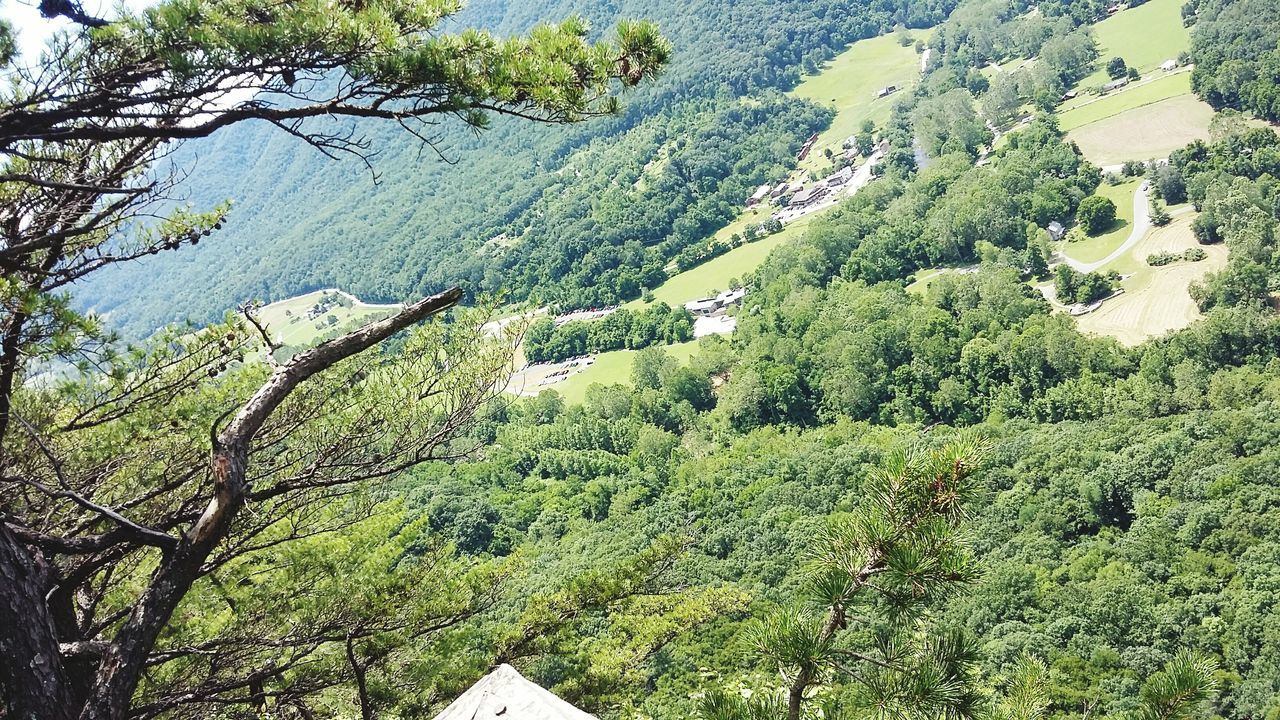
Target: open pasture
{"x":1155,"y":301}
{"x":1143,"y":133}
{"x":849,"y":83}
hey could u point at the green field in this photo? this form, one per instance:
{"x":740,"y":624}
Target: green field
{"x":991,"y":70}
{"x":287,"y":319}
{"x":1151,"y":131}
{"x":715,"y":274}
{"x":849,"y":83}
{"x":1095,"y":248}
{"x":613,"y":368}
{"x":1128,"y":98}
{"x":1144,"y":36}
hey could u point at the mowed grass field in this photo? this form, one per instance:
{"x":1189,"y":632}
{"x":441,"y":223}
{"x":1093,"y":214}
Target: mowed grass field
{"x":613,"y":368}
{"x":849,"y":83}
{"x":1152,"y":117}
{"x":1145,"y":36}
{"x":1097,"y":247}
{"x":1155,"y":301}
{"x":1151,"y":131}
{"x":716,"y":273}
{"x":288,"y":324}
{"x":1123,"y":100}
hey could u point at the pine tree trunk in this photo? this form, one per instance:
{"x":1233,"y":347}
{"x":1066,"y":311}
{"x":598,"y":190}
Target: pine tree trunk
{"x":31,"y":670}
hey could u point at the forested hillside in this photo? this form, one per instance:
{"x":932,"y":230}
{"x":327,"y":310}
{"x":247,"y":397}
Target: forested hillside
{"x":578,"y":216}
{"x":1122,"y":523}
{"x":913,"y":482}
{"x":1237,"y":62}
{"x":1125,"y":517}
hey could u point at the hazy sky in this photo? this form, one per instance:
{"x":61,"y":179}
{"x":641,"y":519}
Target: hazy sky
{"x":33,"y":30}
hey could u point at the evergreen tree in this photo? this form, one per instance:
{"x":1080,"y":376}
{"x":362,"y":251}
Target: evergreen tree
{"x":871,"y":576}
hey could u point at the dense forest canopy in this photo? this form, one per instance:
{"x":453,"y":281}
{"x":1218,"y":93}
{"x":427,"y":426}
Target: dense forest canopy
{"x":873,"y":499}
{"x":1237,"y":61}
{"x":581,"y":217}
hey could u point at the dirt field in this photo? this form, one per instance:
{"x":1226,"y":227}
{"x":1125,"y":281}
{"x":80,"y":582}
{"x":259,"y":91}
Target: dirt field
{"x":1155,"y":300}
{"x":1146,"y":132}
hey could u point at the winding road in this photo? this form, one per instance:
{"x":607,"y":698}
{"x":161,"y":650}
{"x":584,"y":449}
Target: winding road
{"x":1141,"y":224}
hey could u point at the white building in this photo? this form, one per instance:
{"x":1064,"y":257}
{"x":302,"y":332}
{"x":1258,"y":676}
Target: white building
{"x":706,"y":307}
{"x":1169,"y":65}
{"x":1056,"y":230}
{"x":840,"y":178}
{"x":731,"y":297}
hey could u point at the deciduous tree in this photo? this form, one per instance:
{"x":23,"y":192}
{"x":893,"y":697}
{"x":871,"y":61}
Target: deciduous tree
{"x":133,"y":476}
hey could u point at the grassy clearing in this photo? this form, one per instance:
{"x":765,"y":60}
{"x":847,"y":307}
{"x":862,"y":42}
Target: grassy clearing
{"x":715,"y":274}
{"x":613,"y":368}
{"x":1131,"y":97}
{"x":849,"y":83}
{"x":1152,"y":131}
{"x":1144,"y":36}
{"x":1099,"y":246}
{"x":922,"y":280}
{"x":1155,"y":300}
{"x":287,"y":319}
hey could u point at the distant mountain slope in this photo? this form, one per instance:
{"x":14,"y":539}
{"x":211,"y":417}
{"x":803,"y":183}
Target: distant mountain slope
{"x":578,"y":215}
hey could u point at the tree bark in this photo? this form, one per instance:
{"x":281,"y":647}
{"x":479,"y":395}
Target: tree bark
{"x":10,"y":356}
{"x":31,"y":671}
{"x":122,"y":664}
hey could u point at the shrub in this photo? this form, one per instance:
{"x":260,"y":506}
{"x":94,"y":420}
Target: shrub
{"x":1133,"y":168}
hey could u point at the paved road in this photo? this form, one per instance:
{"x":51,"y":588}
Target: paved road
{"x":1141,"y":223}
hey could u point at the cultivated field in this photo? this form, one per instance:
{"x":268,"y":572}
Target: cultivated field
{"x":849,"y":83}
{"x":1155,"y":300}
{"x":1144,"y":36}
{"x":1091,"y":110}
{"x":287,"y":319}
{"x":1152,"y":131}
{"x":1095,"y":248}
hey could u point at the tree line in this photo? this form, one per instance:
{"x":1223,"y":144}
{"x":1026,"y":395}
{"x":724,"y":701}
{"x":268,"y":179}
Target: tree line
{"x":621,"y":329}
